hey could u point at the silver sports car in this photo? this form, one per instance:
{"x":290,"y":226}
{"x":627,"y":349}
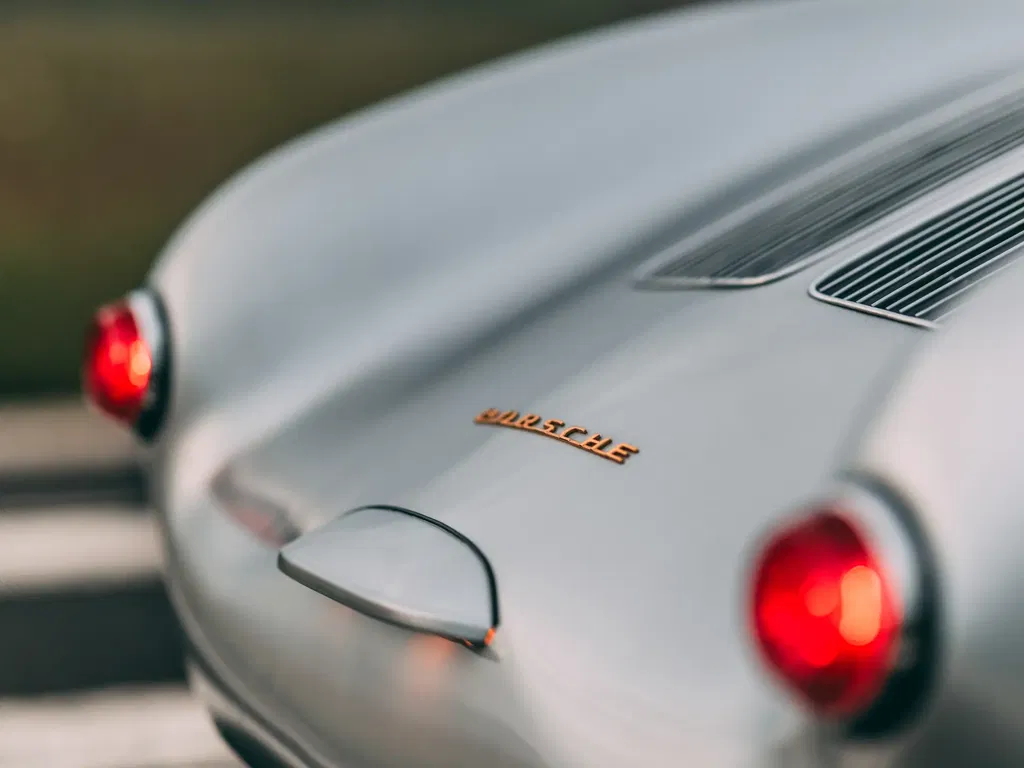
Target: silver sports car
{"x":653,"y":399}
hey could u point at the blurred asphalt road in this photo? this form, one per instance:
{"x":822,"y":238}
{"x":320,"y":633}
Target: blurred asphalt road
{"x":92,"y":671}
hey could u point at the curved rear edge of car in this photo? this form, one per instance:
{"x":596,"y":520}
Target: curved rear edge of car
{"x":251,"y":738}
{"x":620,"y":583}
{"x":387,"y":294}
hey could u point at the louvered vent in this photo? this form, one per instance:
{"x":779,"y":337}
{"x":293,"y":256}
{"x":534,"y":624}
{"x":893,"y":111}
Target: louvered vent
{"x":923,"y":275}
{"x":787,"y":236}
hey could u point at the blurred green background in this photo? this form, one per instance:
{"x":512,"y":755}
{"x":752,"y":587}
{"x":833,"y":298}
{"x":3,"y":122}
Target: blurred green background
{"x":117,"y":118}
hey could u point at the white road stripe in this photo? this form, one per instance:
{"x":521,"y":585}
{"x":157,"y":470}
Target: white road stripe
{"x":120,"y":728}
{"x":58,"y":433}
{"x":73,"y":547}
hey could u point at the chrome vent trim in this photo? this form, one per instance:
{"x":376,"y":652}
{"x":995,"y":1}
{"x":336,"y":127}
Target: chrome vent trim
{"x":922,"y":276}
{"x":802,"y":223}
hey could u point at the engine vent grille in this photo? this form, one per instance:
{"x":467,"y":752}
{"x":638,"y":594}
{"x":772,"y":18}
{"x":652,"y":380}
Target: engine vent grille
{"x":787,"y":236}
{"x":922,"y":276}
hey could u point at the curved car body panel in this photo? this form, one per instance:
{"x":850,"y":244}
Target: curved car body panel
{"x":343,"y":310}
{"x":436,"y":218}
{"x":948,"y":442}
{"x":620,"y":585}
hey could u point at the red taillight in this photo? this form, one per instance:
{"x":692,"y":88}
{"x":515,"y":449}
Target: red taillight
{"x":825,"y":614}
{"x":118,"y":364}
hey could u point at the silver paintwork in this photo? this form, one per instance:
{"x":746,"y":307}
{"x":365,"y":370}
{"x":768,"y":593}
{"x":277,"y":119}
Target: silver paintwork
{"x":882,"y":262}
{"x":400,"y":568}
{"x":230,"y":712}
{"x":878,"y":152}
{"x":343,"y":309}
{"x":948,"y":441}
{"x":944,"y":200}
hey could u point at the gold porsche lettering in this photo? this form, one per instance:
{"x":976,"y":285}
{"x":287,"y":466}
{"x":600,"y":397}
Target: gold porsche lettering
{"x":596,"y":443}
{"x":529,"y":420}
{"x":551,"y":426}
{"x":489,"y":416}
